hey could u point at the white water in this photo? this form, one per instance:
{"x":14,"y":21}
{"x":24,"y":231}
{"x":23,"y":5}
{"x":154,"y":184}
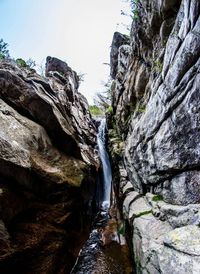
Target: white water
{"x":107,"y":175}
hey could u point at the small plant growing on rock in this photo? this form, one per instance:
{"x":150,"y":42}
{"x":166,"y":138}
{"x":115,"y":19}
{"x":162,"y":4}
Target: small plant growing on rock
{"x":30,"y":63}
{"x":122,"y":229}
{"x":141,"y":109}
{"x":21,"y":63}
{"x":135,"y":15}
{"x":157,"y":65}
{"x":95,"y":110}
{"x":4,"y":52}
{"x":109,"y":110}
{"x":157,"y":198}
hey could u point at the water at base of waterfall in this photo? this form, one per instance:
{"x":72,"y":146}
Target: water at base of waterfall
{"x":106,"y":251}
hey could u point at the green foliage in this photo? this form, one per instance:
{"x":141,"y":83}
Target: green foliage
{"x":109,"y":110}
{"x":135,"y":15}
{"x":95,"y":110}
{"x":2,"y":56}
{"x":157,"y":198}
{"x":103,"y":98}
{"x":30,"y":63}
{"x":21,"y":63}
{"x":4,"y":52}
{"x":134,"y":9}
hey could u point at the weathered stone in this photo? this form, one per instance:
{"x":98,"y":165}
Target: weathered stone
{"x":185,"y":239}
{"x":48,"y":166}
{"x":118,"y":40}
{"x":183,"y":189}
{"x":147,"y":242}
{"x":25,"y":147}
{"x":128,"y":200}
{"x":55,"y":105}
{"x":139,"y":207}
{"x":155,"y":243}
{"x":175,"y":215}
{"x":128,"y":187}
{"x":156,"y":113}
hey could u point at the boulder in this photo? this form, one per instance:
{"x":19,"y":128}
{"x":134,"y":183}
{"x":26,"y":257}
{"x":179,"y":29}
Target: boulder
{"x":54,"y":104}
{"x":48,"y":168}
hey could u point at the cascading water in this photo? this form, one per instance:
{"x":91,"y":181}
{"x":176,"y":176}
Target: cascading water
{"x":106,"y":168}
{"x":105,"y":251}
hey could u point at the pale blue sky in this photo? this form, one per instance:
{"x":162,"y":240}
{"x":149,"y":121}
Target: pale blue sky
{"x":77,"y":31}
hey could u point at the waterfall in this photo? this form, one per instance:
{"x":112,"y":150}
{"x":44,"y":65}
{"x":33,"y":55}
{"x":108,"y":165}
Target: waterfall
{"x":105,"y":251}
{"x":106,"y":168}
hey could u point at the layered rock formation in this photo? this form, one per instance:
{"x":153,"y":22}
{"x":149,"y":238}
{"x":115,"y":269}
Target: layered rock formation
{"x":48,"y":163}
{"x":155,"y":137}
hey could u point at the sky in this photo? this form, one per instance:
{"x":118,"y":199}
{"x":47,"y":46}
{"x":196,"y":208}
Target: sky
{"x":77,"y":31}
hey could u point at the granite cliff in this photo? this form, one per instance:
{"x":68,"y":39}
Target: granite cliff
{"x":49,"y":160}
{"x":154,"y":134}
{"x":48,"y":163}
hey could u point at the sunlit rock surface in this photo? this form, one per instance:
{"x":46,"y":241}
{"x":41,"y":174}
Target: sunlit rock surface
{"x":154,"y":134}
{"x":48,"y":164}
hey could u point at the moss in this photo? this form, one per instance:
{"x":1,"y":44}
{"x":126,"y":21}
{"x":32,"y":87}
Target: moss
{"x":157,"y":198}
{"x":141,"y":109}
{"x":143,"y":213}
{"x":157,"y":65}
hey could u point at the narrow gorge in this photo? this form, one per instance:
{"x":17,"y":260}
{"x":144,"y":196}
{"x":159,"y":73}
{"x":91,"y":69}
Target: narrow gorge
{"x":115,"y":194}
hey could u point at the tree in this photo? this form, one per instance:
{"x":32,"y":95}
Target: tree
{"x":30,"y":63}
{"x":103,"y":99}
{"x":4,"y":52}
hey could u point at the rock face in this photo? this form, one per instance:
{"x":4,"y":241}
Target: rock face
{"x":154,"y":133}
{"x":48,"y":163}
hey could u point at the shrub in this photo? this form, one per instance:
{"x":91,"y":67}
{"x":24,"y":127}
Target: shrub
{"x":21,"y":63}
{"x":94,"y":110}
{"x":109,"y":110}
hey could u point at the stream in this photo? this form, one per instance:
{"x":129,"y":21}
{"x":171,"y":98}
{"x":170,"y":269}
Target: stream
{"x":105,"y":251}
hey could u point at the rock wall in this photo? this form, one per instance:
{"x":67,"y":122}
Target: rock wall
{"x":154,"y":134}
{"x":48,"y":163}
